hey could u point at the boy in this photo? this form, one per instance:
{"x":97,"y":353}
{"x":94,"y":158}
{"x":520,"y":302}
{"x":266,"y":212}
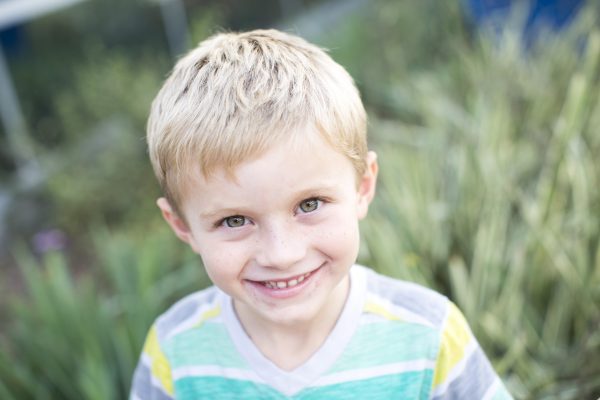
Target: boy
{"x":258,"y":140}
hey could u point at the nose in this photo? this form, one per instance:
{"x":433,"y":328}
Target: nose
{"x":281,"y":246}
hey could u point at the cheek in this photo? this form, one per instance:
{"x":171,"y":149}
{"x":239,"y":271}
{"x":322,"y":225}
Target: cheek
{"x":222,"y":263}
{"x":340,"y":237}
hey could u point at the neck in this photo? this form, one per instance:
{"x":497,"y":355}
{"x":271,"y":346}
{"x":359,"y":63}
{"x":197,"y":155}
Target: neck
{"x":290,"y":345}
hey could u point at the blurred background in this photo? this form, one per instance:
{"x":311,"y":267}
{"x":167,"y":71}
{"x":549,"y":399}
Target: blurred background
{"x":485,"y":115}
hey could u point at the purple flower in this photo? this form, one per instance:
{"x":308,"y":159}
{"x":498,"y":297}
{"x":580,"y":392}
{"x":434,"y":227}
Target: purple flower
{"x":49,"y":240}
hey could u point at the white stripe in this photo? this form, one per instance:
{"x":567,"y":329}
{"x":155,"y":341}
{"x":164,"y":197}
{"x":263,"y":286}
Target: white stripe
{"x":457,"y":369}
{"x":374,"y":372}
{"x":367,"y":319}
{"x":215,"y":370}
{"x":492,"y":390}
{"x":146,"y":360}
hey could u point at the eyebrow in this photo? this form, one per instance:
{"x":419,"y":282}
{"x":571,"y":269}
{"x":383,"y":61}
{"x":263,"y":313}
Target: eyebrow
{"x":242,"y":210}
{"x":220,"y":211}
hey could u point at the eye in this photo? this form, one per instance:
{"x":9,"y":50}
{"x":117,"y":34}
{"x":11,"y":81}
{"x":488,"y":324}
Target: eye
{"x":234,"y":221}
{"x":309,"y":205}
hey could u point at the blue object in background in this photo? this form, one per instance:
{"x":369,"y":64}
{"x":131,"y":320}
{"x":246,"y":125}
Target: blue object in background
{"x":553,"y":14}
{"x":11,"y":39}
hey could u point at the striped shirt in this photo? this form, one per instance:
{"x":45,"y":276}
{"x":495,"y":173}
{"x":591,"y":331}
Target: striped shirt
{"x":393,"y":339}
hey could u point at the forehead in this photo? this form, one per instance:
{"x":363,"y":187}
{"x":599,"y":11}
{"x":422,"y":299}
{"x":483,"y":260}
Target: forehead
{"x":226,"y":157}
{"x":292,"y":166}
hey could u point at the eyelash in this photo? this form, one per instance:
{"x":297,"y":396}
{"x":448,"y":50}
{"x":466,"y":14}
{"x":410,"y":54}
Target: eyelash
{"x":223,"y":222}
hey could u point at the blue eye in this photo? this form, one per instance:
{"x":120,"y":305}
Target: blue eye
{"x":309,"y":205}
{"x":235,"y":221}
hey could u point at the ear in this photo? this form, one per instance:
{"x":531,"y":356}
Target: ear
{"x":177,"y":224}
{"x":367,"y":184}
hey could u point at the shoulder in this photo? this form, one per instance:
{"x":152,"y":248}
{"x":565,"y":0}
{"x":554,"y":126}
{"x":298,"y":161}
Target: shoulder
{"x":190,"y":311}
{"x":406,"y":301}
{"x":153,"y":377}
{"x":437,"y":327}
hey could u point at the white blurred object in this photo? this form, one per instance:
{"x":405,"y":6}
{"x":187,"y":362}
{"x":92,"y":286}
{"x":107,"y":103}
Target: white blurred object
{"x":13,"y":12}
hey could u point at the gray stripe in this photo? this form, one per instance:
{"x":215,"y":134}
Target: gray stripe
{"x":430,"y":305}
{"x":182,"y":310}
{"x":474,"y":380}
{"x":142,"y":386}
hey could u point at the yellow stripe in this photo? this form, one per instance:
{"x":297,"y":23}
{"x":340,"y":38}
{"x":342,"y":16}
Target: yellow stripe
{"x":378,"y":309}
{"x":208,"y":314}
{"x":455,"y":338}
{"x":160,"y":365}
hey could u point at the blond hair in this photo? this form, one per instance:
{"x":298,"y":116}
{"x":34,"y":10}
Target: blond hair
{"x":237,"y":94}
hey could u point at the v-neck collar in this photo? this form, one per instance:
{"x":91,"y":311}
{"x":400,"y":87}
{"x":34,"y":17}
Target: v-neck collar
{"x":292,"y":382}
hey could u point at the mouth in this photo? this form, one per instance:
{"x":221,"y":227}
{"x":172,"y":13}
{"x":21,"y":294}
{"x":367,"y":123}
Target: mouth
{"x":287,"y":286}
{"x":284,"y":284}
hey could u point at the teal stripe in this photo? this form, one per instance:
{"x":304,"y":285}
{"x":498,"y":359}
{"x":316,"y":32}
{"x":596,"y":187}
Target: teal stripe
{"x":211,"y":387}
{"x":208,"y":344}
{"x":410,"y":385}
{"x":413,"y":385}
{"x":387,"y":342}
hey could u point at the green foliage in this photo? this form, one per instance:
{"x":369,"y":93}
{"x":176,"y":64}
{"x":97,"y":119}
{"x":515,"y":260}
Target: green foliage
{"x":390,"y":43}
{"x":79,"y":335}
{"x":57,"y":47}
{"x":102,"y":169}
{"x":489,"y":193}
{"x":86,"y":95}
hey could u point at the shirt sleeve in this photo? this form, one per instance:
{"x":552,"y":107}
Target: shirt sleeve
{"x":462,"y":369}
{"x":152,"y":377}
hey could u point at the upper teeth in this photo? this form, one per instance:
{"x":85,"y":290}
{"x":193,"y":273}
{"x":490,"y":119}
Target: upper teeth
{"x":285,"y":284}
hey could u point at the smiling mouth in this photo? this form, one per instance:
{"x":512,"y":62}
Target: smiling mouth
{"x":284,"y":284}
{"x":287,"y":283}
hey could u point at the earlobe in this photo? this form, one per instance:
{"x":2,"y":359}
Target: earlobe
{"x":368,"y":183}
{"x":178,"y":225}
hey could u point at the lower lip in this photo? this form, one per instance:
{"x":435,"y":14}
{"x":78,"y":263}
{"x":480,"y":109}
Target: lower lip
{"x":286,"y":292}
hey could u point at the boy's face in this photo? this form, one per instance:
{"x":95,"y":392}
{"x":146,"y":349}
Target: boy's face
{"x":280,"y":237}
